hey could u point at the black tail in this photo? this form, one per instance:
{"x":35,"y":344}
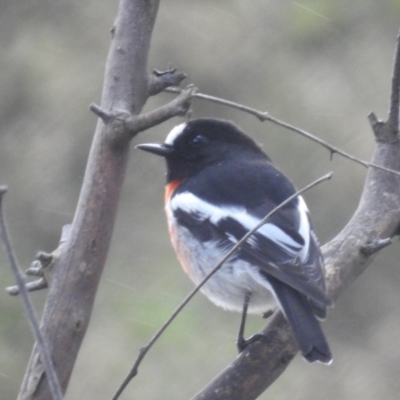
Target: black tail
{"x":305,"y":326}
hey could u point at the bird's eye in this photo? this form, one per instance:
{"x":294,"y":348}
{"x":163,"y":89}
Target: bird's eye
{"x":199,"y":140}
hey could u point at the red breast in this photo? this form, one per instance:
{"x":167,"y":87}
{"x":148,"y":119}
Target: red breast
{"x":170,"y":189}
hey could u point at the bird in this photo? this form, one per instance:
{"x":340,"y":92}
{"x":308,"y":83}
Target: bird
{"x":219,"y":185}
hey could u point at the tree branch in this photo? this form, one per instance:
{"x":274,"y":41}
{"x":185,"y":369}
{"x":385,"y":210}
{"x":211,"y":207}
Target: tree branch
{"x":160,"y":80}
{"x":73,"y":287}
{"x":376,"y":219}
{"x":134,"y":124}
{"x":43,"y":266}
{"x":144,"y":350}
{"x":391,"y":132}
{"x":266,"y":116}
{"x":54,"y":385}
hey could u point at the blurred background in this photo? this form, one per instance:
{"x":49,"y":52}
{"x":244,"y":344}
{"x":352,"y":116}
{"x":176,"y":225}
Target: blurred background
{"x":321,"y":65}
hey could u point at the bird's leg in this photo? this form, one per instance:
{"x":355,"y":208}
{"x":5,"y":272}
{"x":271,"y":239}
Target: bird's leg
{"x":241,"y":341}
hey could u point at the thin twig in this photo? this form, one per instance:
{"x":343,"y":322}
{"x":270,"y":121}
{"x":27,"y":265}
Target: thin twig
{"x":43,"y":266}
{"x":30,"y":311}
{"x":265,"y":116}
{"x":38,"y":284}
{"x":143,"y":351}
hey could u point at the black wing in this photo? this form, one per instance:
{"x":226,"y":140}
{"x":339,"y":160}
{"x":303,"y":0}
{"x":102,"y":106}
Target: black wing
{"x":284,"y":248}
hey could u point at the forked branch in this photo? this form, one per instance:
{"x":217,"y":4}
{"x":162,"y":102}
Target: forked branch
{"x":376,"y":220}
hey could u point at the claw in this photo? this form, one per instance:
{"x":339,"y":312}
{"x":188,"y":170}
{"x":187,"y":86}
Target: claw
{"x":242,"y":344}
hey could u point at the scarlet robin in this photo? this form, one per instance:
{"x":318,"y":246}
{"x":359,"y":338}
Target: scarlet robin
{"x":220,"y":184}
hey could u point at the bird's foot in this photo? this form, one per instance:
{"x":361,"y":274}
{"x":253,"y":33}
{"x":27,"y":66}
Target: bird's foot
{"x":268,"y":313}
{"x":242,"y":343}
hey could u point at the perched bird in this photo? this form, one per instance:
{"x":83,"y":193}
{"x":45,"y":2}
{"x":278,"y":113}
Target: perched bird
{"x":220,"y":184}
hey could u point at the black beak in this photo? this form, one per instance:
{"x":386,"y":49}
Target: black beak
{"x":158,"y":149}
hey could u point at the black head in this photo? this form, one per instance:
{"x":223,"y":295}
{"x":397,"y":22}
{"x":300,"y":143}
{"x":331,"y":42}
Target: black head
{"x":193,"y":145}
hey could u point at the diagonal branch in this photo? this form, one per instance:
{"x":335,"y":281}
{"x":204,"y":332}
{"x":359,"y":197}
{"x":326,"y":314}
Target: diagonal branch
{"x":134,"y":124}
{"x":266,"y":116}
{"x":376,"y":219}
{"x":30,"y":310}
{"x":144,"y":350}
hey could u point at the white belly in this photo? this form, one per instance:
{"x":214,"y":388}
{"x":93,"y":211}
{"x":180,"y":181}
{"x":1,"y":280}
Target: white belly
{"x":228,"y":287}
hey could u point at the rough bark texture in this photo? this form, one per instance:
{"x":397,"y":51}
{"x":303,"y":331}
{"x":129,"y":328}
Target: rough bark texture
{"x":75,"y":281}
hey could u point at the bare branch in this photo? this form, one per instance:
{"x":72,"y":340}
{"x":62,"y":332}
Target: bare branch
{"x":29,"y":286}
{"x":177,"y":107}
{"x":72,"y":290}
{"x":260,"y":364}
{"x":135,"y":124}
{"x":392,"y":130}
{"x":30,"y":310}
{"x":143,"y":351}
{"x":377,"y":125}
{"x":376,"y":220}
{"x":43,"y":266}
{"x":265,"y":116}
{"x":160,"y":80}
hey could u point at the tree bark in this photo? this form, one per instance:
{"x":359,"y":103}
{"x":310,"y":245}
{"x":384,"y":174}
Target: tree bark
{"x":73,"y":287}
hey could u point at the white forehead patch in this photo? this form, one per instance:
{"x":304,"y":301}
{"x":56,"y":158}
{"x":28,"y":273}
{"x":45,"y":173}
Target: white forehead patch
{"x":175,"y":132}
